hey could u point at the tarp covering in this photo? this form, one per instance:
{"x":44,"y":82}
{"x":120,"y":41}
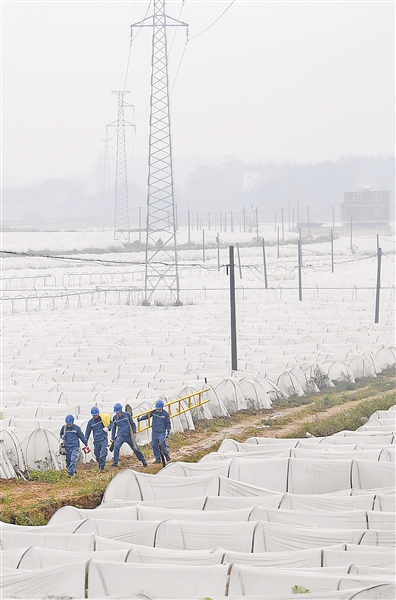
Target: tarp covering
{"x":279,"y":474}
{"x":108,"y":579}
{"x":249,"y":526}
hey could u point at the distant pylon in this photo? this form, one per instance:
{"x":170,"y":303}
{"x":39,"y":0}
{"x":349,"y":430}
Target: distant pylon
{"x":105,"y":156}
{"x":121,"y":211}
{"x":161,"y":271}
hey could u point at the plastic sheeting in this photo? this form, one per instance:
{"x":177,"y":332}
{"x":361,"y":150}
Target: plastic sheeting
{"x":211,"y":530}
{"x":279,"y":475}
{"x":108,"y":579}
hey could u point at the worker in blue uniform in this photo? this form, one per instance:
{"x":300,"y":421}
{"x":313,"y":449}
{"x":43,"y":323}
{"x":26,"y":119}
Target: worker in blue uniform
{"x":96,"y":427}
{"x":160,"y":428}
{"x":72,"y":435}
{"x":123,"y":430}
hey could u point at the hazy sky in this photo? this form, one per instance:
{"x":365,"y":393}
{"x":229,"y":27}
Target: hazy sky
{"x":299,"y":81}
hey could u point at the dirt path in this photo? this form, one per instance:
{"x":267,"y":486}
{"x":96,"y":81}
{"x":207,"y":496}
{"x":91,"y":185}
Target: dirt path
{"x":240,"y":429}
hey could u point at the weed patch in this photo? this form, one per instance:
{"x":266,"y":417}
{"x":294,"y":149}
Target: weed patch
{"x":349,"y":420}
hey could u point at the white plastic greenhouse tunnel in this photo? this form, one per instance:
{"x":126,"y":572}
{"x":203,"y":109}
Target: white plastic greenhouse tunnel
{"x":267,"y":518}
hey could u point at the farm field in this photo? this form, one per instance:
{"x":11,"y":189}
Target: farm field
{"x":75,"y":335}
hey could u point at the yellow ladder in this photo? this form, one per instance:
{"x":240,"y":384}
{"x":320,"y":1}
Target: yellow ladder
{"x":169,"y":406}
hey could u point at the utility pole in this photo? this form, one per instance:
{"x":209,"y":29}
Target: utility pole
{"x":299,"y":255}
{"x":265,"y":265}
{"x":234,"y":357}
{"x":121,"y":211}
{"x":239,"y":262}
{"x":283,"y":226}
{"x":257,"y":224}
{"x":378,"y":287}
{"x":161,"y":272}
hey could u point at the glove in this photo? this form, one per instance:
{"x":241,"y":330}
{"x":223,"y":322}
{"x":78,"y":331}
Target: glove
{"x":139,"y":419}
{"x":86,"y":449}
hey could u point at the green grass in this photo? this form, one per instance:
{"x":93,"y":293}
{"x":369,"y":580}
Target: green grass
{"x":350,"y":420}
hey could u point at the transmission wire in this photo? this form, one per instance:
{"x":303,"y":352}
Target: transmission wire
{"x":215,"y":21}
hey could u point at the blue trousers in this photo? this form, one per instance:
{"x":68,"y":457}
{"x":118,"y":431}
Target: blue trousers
{"x":117,"y":446}
{"x":100,"y":451}
{"x":159,"y":438}
{"x":71,"y":459}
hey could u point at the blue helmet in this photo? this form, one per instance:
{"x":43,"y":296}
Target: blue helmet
{"x":159,"y":404}
{"x":94,"y":410}
{"x":117,"y":407}
{"x":69,"y":419}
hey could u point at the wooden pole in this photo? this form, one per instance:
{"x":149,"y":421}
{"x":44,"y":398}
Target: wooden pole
{"x":377,"y":295}
{"x":283,"y":226}
{"x":298,"y":214}
{"x":265,"y":266}
{"x":257,"y":227}
{"x":277,"y":235}
{"x":203,"y":245}
{"x":234,"y":358}
{"x":239,"y":262}
{"x":218,"y":251}
{"x":299,"y":271}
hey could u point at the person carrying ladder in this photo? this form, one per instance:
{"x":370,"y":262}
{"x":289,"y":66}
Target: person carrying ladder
{"x":123,"y":429}
{"x":160,"y":427}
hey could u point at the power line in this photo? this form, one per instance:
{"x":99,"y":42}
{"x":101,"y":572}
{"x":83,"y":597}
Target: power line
{"x":215,"y":21}
{"x":178,"y":68}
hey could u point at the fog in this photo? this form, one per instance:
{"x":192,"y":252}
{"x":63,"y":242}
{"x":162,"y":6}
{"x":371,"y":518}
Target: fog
{"x":258,"y":84}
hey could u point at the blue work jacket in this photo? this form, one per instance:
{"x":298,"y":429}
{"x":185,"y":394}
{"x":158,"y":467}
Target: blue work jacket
{"x":72,"y":435}
{"x":98,"y":429}
{"x":160,"y":421}
{"x":122,"y":423}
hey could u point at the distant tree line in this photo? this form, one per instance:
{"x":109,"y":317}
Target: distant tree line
{"x":320,"y":185}
{"x":231,"y":187}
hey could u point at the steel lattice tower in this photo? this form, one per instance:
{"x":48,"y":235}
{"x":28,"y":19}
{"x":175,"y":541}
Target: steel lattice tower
{"x":121,"y":211}
{"x":161,"y":251}
{"x":106,"y":175}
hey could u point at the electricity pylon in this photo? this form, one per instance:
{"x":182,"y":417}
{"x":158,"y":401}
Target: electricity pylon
{"x":161,"y":251}
{"x":105,"y":156}
{"x":121,"y":211}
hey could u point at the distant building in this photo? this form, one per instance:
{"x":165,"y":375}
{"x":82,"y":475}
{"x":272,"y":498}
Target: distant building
{"x":250,"y":180}
{"x":366,"y":208}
